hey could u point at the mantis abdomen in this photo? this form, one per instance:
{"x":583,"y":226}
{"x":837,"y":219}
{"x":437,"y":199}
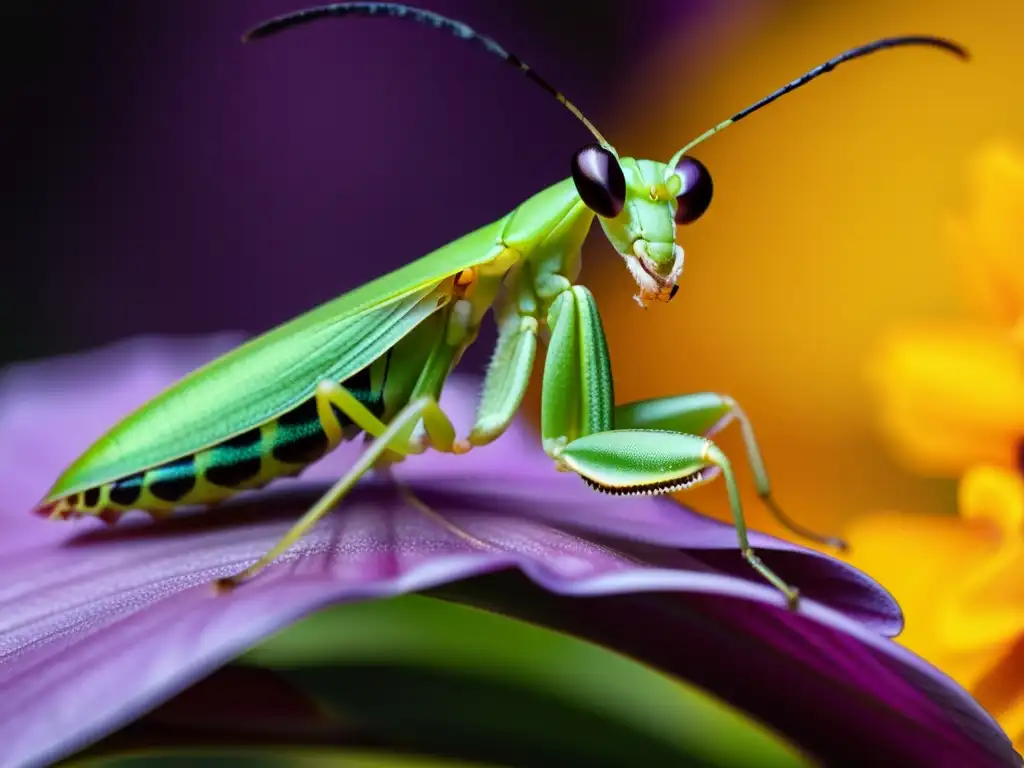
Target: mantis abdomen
{"x":280,"y":447}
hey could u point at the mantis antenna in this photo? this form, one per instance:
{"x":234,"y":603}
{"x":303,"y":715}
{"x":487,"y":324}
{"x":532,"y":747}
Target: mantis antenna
{"x":429,"y":19}
{"x":821,"y":69}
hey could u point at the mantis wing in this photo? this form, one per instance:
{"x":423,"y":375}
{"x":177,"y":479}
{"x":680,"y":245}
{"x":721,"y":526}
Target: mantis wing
{"x":274,"y":372}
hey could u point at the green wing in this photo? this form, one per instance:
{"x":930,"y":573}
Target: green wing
{"x":270,"y":374}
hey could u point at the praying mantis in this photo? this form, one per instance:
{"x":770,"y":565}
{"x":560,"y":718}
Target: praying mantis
{"x":375,"y":360}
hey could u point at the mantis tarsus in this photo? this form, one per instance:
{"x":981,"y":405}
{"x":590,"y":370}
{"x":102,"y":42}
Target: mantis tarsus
{"x":375,"y":360}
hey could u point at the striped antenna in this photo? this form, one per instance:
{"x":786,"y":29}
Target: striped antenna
{"x":427,"y":18}
{"x":854,"y":53}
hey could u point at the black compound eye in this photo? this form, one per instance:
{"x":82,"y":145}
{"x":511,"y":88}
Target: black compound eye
{"x":599,"y":180}
{"x":695,"y":196}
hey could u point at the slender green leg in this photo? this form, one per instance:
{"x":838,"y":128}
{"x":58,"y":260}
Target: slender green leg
{"x":643,"y":461}
{"x":391,"y":441}
{"x":705,"y":413}
{"x":508,"y":374}
{"x":430,"y":382}
{"x":330,"y":393}
{"x":394,"y":437}
{"x":579,"y":432}
{"x":427,"y":511}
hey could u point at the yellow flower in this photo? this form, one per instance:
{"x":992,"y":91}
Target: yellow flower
{"x":988,"y":240}
{"x":952,"y":402}
{"x":951,"y":397}
{"x":960,"y":582}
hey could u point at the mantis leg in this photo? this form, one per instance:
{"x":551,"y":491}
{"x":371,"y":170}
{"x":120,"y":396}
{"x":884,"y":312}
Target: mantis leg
{"x":705,"y":413}
{"x":508,"y":374}
{"x":396,"y":437}
{"x":331,"y":395}
{"x":580,"y":432}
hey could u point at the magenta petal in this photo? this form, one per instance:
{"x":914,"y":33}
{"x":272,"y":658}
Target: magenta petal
{"x":840,"y":691}
{"x":682,"y":539}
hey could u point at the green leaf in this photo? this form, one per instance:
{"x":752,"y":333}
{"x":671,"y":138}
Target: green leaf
{"x":438,"y":677}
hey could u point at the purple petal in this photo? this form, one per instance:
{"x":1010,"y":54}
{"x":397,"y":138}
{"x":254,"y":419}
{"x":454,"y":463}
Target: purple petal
{"x":99,"y":630}
{"x":98,"y":626}
{"x":52,"y":410}
{"x":564,"y":502}
{"x":845,"y":694}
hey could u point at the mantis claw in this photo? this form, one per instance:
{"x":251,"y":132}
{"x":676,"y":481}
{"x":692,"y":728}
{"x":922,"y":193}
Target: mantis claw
{"x":225,"y":585}
{"x":793,"y":599}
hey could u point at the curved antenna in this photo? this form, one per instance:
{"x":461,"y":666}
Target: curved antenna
{"x":821,"y":69}
{"x":429,"y":19}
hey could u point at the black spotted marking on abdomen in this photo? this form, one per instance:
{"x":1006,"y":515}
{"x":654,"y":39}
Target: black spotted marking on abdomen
{"x":236,"y":460}
{"x":172,"y":482}
{"x":300,"y":437}
{"x":127,"y":491}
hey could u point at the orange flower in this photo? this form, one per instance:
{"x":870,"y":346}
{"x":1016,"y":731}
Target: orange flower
{"x":988,"y":240}
{"x":952,"y":402}
{"x":952,"y":397}
{"x":960,"y":583}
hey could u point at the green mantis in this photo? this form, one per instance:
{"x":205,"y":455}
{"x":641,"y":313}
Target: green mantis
{"x":375,"y":360}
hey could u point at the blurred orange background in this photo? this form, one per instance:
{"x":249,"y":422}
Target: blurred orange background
{"x":826,"y":230}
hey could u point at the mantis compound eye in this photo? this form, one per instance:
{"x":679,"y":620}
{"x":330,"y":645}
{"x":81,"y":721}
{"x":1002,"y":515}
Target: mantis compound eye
{"x":599,"y":180}
{"x":695,"y":195}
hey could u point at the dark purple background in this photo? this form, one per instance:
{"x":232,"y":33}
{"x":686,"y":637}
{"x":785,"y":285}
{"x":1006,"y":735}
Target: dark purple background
{"x":163,"y":177}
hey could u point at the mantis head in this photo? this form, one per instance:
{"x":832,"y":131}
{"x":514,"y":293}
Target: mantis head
{"x":639,"y":203}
